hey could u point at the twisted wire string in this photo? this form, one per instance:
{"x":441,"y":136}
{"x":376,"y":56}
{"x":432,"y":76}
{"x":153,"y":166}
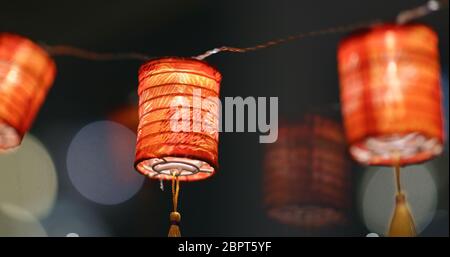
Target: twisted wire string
{"x":310,"y":34}
{"x":404,"y":16}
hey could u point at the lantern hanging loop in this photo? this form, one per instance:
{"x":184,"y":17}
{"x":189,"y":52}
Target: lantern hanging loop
{"x":175,"y":216}
{"x":175,"y":191}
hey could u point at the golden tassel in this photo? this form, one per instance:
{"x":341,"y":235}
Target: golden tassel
{"x":402,"y":222}
{"x":175,"y":216}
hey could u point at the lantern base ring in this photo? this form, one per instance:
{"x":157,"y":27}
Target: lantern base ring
{"x":177,"y":168}
{"x":409,"y":147}
{"x":165,"y":168}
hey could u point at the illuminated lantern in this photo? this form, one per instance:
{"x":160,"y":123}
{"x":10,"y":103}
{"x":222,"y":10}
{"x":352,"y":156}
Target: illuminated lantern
{"x":390,"y":94}
{"x":391,"y":100}
{"x":307,"y":177}
{"x":177,"y":137}
{"x":26,"y":74}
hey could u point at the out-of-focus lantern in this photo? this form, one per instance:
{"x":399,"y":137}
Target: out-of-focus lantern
{"x":307,"y":178}
{"x":177,"y":137}
{"x":26,"y":74}
{"x":391,"y":95}
{"x":391,"y":99}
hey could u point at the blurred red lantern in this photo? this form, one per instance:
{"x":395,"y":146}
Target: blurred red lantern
{"x":391,"y":102}
{"x":178,"y":91}
{"x":307,"y":178}
{"x":390,"y":94}
{"x":26,"y":74}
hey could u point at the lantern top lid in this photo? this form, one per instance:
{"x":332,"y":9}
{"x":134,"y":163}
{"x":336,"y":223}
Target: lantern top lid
{"x":13,"y":39}
{"x":183,"y":63}
{"x":385,"y":27}
{"x":11,"y":44}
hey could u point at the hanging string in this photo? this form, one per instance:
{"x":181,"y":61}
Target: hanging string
{"x":175,"y":216}
{"x":421,"y":11}
{"x":402,"y":17}
{"x":322,"y":32}
{"x":64,"y":50}
{"x":397,"y":178}
{"x":396,"y":160}
{"x":175,"y":191}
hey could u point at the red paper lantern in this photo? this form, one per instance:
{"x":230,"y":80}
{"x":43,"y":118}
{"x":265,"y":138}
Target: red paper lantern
{"x":160,"y":150}
{"x":26,"y":74}
{"x":390,"y":94}
{"x":307,"y":178}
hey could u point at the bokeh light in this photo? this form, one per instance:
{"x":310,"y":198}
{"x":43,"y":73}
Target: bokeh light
{"x":376,"y":198}
{"x":18,"y":222}
{"x":439,"y":226}
{"x":70,"y":218}
{"x":28,"y":178}
{"x":100,"y":163}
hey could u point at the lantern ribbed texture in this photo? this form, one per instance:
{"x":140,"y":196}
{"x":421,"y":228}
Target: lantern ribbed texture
{"x":307,"y":176}
{"x":26,"y":74}
{"x":390,"y":94}
{"x":160,"y":150}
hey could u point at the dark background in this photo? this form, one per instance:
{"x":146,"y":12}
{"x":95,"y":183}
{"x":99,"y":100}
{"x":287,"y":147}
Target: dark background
{"x":302,"y":74}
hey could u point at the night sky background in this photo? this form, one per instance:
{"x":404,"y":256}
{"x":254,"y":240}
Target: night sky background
{"x":303,"y":74}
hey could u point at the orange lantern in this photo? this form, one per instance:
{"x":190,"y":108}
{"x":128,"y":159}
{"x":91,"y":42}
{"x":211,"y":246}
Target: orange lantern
{"x":391,"y":102}
{"x":182,"y":92}
{"x":307,"y":178}
{"x":26,"y":74}
{"x":390,"y":94}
